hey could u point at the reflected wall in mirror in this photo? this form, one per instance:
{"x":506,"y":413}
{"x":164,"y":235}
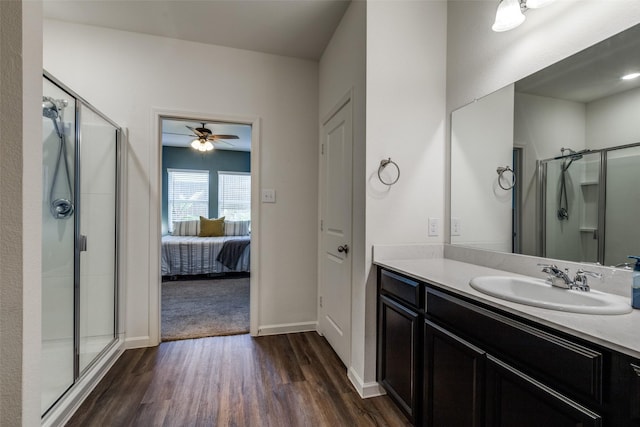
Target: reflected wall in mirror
{"x":571,"y":134}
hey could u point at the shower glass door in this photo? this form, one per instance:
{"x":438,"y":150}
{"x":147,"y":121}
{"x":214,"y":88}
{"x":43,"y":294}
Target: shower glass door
{"x":622,"y":233}
{"x":79,"y":239}
{"x":571,"y":207}
{"x":97,"y":235}
{"x":58,"y":242}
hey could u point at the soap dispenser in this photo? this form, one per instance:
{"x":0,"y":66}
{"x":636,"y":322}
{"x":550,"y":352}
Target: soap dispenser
{"x":635,"y":286}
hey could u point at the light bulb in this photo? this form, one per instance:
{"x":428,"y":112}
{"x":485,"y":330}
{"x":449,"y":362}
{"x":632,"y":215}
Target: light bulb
{"x":537,"y":4}
{"x":630,"y":76}
{"x":508,"y":16}
{"x":195,"y":144}
{"x":208,"y":146}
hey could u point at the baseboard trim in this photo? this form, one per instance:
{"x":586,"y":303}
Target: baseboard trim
{"x":365,"y":390}
{"x":138,"y":342}
{"x":287,"y":328}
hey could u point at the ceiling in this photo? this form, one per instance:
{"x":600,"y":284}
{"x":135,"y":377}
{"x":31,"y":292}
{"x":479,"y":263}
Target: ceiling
{"x":591,"y":74}
{"x":296,"y":28}
{"x":176,"y":134}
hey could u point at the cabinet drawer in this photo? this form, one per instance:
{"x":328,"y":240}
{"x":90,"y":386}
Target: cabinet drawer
{"x":400,"y":287}
{"x":566,"y":365}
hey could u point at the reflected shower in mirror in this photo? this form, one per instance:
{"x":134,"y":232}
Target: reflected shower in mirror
{"x":570,"y":134}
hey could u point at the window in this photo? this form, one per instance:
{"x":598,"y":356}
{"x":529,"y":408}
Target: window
{"x":234,"y":195}
{"x":188,"y":195}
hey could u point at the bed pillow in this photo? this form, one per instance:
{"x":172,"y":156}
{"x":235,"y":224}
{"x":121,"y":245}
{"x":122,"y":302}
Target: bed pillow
{"x":211,"y":227}
{"x":186,"y":228}
{"x":237,"y":228}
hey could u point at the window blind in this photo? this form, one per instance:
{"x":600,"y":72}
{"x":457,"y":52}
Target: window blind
{"x":234,"y":195}
{"x":188,"y":195}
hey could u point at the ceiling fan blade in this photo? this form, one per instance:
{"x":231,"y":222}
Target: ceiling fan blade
{"x":179,"y":134}
{"x":197,"y":132}
{"x":217,"y":141}
{"x":216,"y":137}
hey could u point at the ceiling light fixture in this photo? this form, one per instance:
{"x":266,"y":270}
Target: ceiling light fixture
{"x":201,"y":145}
{"x":510,"y":13}
{"x":630,"y":76}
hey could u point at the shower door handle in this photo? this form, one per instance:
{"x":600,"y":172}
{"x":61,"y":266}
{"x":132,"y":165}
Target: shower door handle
{"x":82,"y":243}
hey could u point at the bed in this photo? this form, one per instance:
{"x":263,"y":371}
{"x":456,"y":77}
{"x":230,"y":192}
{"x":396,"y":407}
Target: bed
{"x":190,"y":254}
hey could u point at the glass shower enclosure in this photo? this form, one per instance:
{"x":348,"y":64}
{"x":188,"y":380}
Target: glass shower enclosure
{"x":80,"y":205}
{"x":589,"y":201}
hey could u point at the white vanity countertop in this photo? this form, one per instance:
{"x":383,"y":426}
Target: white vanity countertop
{"x":619,"y":332}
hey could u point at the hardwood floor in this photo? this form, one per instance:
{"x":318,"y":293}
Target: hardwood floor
{"x":280,"y":380}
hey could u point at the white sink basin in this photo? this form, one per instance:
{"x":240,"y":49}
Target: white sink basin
{"x":539,"y":293}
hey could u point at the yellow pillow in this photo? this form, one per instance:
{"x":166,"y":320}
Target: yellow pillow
{"x":211,"y":227}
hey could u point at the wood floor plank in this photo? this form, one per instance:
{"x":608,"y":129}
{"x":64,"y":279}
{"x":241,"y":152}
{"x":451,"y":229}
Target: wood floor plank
{"x":293,"y":380}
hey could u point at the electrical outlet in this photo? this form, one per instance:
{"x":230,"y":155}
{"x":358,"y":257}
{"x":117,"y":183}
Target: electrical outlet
{"x":268,"y":195}
{"x":455,"y":227}
{"x":434,"y":227}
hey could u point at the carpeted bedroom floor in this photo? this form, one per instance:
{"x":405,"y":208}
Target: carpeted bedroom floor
{"x":205,"y":308}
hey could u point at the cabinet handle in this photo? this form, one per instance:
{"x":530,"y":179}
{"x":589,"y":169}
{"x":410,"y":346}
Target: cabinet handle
{"x":343,"y":248}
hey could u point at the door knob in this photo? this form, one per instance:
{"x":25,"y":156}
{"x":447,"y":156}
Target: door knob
{"x":343,"y":248}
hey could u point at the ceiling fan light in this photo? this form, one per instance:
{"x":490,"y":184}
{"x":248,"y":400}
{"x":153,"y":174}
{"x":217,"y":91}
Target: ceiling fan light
{"x":537,"y":4}
{"x":195,"y":144}
{"x":508,"y":16}
{"x":208,"y":146}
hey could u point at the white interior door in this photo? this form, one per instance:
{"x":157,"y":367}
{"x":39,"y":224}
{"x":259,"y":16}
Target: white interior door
{"x":335,"y":275}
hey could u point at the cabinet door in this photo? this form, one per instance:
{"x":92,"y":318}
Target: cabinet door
{"x":453,"y":379}
{"x":515,"y":399}
{"x":398,"y":346}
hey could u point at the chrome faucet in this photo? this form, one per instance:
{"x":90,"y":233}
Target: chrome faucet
{"x":580,"y":281}
{"x":557,"y":277}
{"x":561,"y":279}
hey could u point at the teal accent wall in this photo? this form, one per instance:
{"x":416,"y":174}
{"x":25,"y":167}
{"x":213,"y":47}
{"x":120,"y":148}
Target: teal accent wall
{"x":187,"y":158}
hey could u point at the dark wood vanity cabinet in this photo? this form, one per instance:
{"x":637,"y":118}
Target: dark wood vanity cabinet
{"x":453,"y":379}
{"x":399,"y":337}
{"x":451,"y":361}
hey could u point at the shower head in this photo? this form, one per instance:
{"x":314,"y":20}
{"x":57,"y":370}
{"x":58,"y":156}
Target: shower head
{"x":572,"y":155}
{"x":49,"y":108}
{"x":52,"y":109}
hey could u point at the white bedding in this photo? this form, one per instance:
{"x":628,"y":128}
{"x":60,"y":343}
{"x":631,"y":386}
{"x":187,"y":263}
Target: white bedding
{"x":184,"y":255}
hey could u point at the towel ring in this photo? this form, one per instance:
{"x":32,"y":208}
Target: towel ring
{"x":383,"y":165}
{"x":501,"y":170}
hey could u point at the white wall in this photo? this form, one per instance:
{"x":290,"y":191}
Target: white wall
{"x":542,"y":126}
{"x":480,"y":61}
{"x":406,"y":80}
{"x":20,"y":201}
{"x":613,"y":120}
{"x":127,"y":76}
{"x":482,"y":141}
{"x":342,"y":69}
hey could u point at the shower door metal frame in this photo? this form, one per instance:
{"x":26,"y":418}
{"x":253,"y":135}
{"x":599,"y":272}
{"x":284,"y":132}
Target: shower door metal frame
{"x":77,"y":374}
{"x":542,"y":202}
{"x":602,"y":199}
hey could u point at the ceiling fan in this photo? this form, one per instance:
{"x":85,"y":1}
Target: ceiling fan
{"x":204,"y":136}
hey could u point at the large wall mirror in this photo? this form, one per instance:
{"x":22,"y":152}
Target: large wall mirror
{"x":550,"y":165}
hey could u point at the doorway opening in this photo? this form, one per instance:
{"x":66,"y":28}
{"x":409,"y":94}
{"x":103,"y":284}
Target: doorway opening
{"x":205,"y":227}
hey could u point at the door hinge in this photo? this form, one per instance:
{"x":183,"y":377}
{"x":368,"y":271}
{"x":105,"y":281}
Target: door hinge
{"x":320,"y":302}
{"x":322,"y":149}
{"x":321,"y":225}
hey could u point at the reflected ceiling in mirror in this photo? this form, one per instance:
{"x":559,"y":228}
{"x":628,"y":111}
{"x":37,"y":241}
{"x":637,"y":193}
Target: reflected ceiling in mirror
{"x":577,"y":207}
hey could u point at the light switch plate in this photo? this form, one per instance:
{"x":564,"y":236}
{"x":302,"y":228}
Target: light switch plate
{"x":434,"y":227}
{"x":455,"y":226}
{"x":268,"y":195}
